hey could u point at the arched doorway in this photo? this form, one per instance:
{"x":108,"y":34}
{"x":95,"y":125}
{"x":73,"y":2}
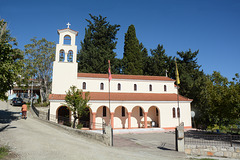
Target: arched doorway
{"x":137,"y":118}
{"x":85,"y":118}
{"x":64,"y":116}
{"x":154,"y":115}
{"x":102,"y":116}
{"x":121,"y":117}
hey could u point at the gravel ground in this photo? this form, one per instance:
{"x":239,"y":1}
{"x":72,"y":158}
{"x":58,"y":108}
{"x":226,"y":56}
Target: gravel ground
{"x":33,"y":140}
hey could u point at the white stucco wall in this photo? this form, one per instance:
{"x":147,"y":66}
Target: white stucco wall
{"x":127,"y":85}
{"x":165,"y":120}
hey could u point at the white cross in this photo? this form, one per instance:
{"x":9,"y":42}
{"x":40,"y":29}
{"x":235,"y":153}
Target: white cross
{"x":68,"y":24}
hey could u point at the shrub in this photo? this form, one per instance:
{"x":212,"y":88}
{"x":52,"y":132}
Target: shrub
{"x":80,"y":126}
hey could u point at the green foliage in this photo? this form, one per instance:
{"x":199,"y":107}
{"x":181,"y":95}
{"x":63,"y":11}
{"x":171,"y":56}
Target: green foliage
{"x":44,"y":104}
{"x":223,"y":100}
{"x":79,"y":126}
{"x":10,"y":60}
{"x":132,"y":56}
{"x":193,"y":83}
{"x":145,"y":59}
{"x":39,"y":64}
{"x":97,"y":46}
{"x":160,"y":62}
{"x":4,"y":151}
{"x":77,"y":102}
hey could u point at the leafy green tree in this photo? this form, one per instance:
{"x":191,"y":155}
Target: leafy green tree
{"x":97,"y":46}
{"x":223,"y":100}
{"x":77,"y":101}
{"x":10,"y":60}
{"x":39,"y":64}
{"x":132,"y":57}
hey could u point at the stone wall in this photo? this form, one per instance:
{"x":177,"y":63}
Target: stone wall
{"x":217,"y":151}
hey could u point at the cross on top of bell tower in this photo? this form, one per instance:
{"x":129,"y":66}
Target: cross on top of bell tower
{"x":68,"y":24}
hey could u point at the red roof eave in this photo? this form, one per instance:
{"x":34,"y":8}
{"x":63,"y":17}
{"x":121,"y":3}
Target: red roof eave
{"x":127,"y":97}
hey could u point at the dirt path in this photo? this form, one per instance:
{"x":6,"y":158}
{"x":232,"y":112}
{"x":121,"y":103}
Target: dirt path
{"x":33,"y":140}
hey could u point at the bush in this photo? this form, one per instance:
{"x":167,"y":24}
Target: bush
{"x":44,"y":104}
{"x":79,"y":126}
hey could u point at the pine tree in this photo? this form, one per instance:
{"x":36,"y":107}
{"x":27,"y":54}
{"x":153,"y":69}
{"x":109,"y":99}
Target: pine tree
{"x":145,"y":59}
{"x":159,"y":62}
{"x":97,"y":46}
{"x":132,"y":58}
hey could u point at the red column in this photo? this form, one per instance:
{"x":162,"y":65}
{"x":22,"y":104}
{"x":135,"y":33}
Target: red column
{"x":112,"y":122}
{"x":93,"y":120}
{"x":145,"y":119}
{"x":129,"y":120}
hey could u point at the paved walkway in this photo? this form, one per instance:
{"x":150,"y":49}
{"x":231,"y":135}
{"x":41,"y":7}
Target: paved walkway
{"x":31,"y":139}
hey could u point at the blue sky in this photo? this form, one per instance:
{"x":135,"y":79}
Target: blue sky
{"x":212,"y":26}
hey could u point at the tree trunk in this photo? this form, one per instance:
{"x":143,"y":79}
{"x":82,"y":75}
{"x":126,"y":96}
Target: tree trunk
{"x":74,"y":122}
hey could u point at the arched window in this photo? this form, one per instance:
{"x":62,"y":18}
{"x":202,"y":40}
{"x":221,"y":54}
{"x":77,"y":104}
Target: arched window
{"x":135,"y":87}
{"x":61,"y":56}
{"x":140,"y":111}
{"x":119,"y":86}
{"x":178,"y":112}
{"x":104,"y":111}
{"x":101,"y":86}
{"x":165,"y":88}
{"x":123,"y":111}
{"x":174,"y":112}
{"x":67,"y":40}
{"x":84,"y":86}
{"x":70,"y":56}
{"x":156,"y":112}
{"x":150,"y":87}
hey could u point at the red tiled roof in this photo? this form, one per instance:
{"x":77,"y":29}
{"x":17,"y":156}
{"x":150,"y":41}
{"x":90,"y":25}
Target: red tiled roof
{"x":127,"y":96}
{"x":121,"y":76}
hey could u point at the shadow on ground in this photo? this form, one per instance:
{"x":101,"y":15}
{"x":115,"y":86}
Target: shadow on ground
{"x":7,"y":117}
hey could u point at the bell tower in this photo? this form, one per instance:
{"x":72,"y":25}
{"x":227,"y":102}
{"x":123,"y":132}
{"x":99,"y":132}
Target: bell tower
{"x":65,"y":65}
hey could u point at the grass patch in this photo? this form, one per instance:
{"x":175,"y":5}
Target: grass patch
{"x":3,"y":151}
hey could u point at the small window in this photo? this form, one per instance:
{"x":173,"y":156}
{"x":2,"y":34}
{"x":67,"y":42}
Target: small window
{"x":70,"y":56}
{"x":123,"y":111}
{"x":84,"y":86}
{"x":101,"y":86}
{"x":165,"y":88}
{"x":174,"y":112}
{"x":119,"y":86}
{"x":67,"y":40}
{"x":104,"y":111}
{"x":178,"y":112}
{"x":140,"y":111}
{"x":150,"y":87}
{"x":156,"y":112}
{"x":61,"y":56}
{"x":135,"y":87}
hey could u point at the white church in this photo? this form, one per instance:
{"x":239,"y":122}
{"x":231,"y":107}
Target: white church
{"x":136,"y":101}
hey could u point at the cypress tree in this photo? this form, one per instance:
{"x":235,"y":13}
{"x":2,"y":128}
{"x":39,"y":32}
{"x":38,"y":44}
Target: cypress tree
{"x":132,"y":58}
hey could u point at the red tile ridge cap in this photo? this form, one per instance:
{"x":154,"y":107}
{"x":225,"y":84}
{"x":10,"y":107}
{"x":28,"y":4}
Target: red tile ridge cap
{"x":122,"y":76}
